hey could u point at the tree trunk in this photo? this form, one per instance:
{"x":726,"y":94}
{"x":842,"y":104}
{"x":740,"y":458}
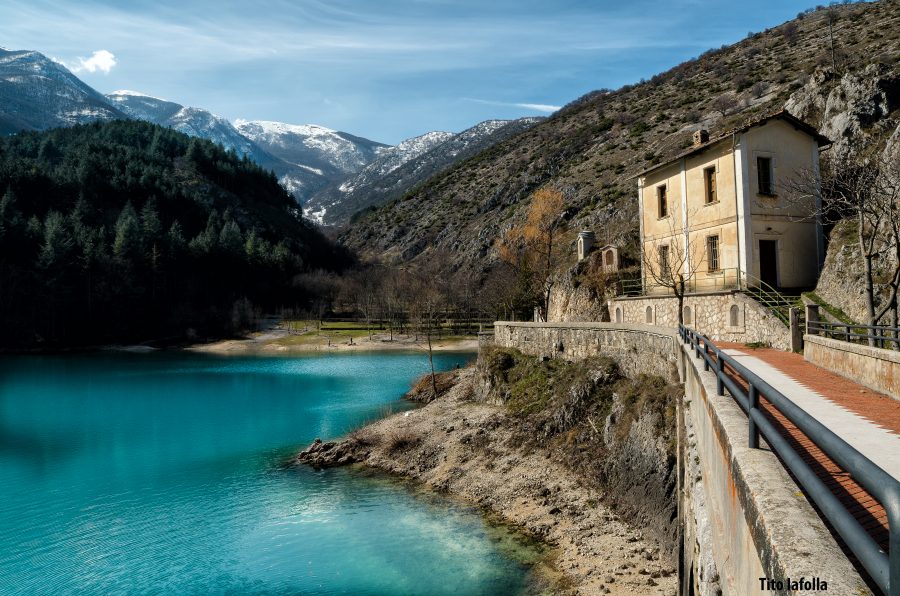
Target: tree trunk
{"x":431,"y":362}
{"x":870,"y":284}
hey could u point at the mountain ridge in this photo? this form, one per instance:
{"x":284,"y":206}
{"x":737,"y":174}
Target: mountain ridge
{"x":593,"y":146}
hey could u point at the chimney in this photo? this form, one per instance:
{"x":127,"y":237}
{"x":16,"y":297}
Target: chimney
{"x":700,"y":137}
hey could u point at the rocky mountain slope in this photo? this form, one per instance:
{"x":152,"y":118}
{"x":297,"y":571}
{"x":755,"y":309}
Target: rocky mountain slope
{"x":398,"y":169}
{"x":593,"y":147}
{"x":37,"y":93}
{"x":315,"y":155}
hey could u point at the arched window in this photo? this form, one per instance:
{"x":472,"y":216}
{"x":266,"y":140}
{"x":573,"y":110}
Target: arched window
{"x":609,"y":258}
{"x":618,"y":315}
{"x":687,"y":315}
{"x":733,"y":314}
{"x":649,"y":314}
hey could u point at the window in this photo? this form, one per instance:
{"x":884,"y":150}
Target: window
{"x":662,"y":205}
{"x":649,"y":315}
{"x":764,"y":174}
{"x":609,"y":258}
{"x":733,"y":315}
{"x":709,"y":177}
{"x":618,"y":315}
{"x":665,"y":270}
{"x":712,"y":252}
{"x":687,"y":315}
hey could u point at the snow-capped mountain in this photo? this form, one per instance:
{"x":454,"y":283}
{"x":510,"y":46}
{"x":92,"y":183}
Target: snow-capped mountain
{"x":398,"y":169}
{"x":305,"y":157}
{"x":329,"y":151}
{"x":391,"y":158}
{"x":196,"y":122}
{"x":38,"y":93}
{"x":336,"y":172}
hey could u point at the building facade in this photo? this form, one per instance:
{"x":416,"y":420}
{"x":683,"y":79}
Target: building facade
{"x":728,"y":212}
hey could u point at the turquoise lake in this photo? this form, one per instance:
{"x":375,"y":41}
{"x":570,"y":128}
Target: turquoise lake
{"x":164,"y":473}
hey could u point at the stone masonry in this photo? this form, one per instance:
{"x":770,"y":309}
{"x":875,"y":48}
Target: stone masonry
{"x":722,"y":316}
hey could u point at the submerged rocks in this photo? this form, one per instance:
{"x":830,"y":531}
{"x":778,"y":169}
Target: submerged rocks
{"x":331,"y":453}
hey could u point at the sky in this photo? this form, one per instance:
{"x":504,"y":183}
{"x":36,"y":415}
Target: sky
{"x":381,"y":69}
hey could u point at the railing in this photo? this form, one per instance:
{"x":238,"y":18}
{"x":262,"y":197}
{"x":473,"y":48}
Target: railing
{"x":878,"y":335}
{"x":884,"y":568}
{"x":715,"y":281}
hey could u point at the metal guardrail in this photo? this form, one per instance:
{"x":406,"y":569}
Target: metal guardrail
{"x":881,"y":336}
{"x":884,"y":568}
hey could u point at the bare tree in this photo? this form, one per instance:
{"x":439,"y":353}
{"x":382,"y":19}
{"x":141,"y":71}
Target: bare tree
{"x":672,"y":263}
{"x":865,"y":190}
{"x":759,"y":89}
{"x":724,"y":104}
{"x":426,"y":305}
{"x":789,"y":31}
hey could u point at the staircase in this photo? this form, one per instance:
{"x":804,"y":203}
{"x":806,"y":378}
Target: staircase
{"x":778,"y":303}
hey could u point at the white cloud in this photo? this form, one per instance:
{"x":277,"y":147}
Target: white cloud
{"x":100,"y":60}
{"x":537,"y":107}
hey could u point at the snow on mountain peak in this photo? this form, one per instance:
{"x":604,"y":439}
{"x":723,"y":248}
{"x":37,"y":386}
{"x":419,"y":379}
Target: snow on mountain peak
{"x":270,"y":127}
{"x":122,"y":93}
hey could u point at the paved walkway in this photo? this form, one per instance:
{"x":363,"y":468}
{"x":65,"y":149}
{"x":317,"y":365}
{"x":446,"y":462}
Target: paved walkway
{"x":865,"y":419}
{"x":853,"y":413}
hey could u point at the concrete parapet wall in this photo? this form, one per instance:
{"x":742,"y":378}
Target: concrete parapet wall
{"x":639,"y":349}
{"x":722,"y":316}
{"x":875,"y":368}
{"x":741,"y":504}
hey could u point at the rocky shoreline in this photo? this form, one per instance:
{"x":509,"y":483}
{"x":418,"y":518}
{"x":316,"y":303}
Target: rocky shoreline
{"x":468,"y":448}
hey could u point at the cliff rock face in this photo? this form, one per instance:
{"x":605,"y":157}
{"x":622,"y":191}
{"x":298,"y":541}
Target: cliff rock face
{"x":854,"y":110}
{"x":574,"y":301}
{"x":860,"y":112}
{"x":616,"y":432}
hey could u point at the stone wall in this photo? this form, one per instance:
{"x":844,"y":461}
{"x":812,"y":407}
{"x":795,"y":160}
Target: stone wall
{"x":722,"y":316}
{"x":875,"y":368}
{"x":639,"y":349}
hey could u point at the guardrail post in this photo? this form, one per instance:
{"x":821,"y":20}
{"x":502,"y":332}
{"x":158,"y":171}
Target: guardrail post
{"x":812,"y":319}
{"x":705,"y":354}
{"x":796,"y":331}
{"x":720,"y":381}
{"x":753,"y":399}
{"x":894,"y":560}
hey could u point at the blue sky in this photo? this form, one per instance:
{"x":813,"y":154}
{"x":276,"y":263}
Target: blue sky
{"x":382,"y":69}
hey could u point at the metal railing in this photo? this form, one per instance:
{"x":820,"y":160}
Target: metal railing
{"x":714,"y":281}
{"x":878,"y":335}
{"x":884,"y":568}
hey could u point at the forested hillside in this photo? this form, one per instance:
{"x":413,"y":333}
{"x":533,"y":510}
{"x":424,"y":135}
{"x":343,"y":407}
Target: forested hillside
{"x":591,"y":149}
{"x":126,"y":230}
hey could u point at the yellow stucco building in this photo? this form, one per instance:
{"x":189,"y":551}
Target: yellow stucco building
{"x":721,"y":212}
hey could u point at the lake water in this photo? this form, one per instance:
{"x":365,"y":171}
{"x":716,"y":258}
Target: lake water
{"x":163,"y":473}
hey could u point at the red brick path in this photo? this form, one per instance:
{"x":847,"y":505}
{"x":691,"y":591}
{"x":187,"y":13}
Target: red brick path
{"x":875,"y":407}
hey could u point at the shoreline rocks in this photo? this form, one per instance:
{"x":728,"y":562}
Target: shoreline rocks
{"x":474,"y":451}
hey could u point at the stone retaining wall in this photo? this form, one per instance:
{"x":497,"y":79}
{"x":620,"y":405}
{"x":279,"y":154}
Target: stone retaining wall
{"x":722,"y":316}
{"x":639,"y":349}
{"x":875,"y":368}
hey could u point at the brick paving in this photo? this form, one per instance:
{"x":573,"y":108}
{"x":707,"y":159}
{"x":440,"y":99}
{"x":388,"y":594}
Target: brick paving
{"x":876,"y":408}
{"x":880,"y":409}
